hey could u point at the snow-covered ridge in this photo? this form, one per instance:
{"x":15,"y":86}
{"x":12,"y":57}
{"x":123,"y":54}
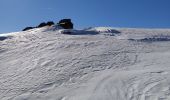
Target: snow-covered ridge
{"x":119,"y":33}
{"x":100,"y":63}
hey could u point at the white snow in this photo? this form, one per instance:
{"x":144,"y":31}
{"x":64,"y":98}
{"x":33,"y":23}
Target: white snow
{"x":100,"y":63}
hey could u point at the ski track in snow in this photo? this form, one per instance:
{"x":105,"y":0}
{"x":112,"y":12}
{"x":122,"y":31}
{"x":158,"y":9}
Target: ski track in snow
{"x":93,"y":64}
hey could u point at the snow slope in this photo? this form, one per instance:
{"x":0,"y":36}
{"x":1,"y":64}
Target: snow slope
{"x":100,"y":63}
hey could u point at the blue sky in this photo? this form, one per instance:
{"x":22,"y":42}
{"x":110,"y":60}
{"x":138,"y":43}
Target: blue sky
{"x":17,"y":14}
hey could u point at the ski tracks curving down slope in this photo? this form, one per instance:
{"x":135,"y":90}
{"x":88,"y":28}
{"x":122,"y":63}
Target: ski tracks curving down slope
{"x":100,"y":63}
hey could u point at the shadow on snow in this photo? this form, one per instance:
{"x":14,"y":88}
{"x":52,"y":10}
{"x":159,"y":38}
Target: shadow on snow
{"x":156,"y":38}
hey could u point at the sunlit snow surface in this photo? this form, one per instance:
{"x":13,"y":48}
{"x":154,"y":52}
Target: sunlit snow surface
{"x":99,"y":63}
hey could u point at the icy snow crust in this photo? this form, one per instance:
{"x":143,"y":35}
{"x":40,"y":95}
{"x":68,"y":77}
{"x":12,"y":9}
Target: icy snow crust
{"x":99,"y":63}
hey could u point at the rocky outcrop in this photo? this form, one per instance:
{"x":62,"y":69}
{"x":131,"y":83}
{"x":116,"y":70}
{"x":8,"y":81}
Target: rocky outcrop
{"x":66,"y":23}
{"x":27,"y":28}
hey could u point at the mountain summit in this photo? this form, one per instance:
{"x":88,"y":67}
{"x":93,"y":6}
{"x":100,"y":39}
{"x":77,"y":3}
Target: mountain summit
{"x":100,"y":63}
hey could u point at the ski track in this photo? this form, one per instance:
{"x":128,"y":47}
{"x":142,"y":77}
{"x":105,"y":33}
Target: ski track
{"x":47,"y":65}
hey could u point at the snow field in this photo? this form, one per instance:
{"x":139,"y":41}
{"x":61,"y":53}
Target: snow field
{"x":93,"y":64}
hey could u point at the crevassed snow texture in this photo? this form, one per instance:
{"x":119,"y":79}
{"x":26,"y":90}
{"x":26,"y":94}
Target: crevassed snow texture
{"x":93,"y":64}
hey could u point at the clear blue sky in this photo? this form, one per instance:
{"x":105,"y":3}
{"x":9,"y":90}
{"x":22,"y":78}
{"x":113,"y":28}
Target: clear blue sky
{"x":17,"y":14}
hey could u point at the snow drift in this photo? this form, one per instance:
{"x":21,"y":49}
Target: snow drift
{"x":100,"y":63}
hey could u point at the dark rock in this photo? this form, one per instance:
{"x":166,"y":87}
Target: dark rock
{"x":65,"y":20}
{"x":42,"y":25}
{"x":27,"y":28}
{"x":66,"y":23}
{"x":50,"y":23}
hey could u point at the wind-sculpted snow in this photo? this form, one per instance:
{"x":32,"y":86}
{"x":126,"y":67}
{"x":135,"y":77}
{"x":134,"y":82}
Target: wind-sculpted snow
{"x":92,"y":64}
